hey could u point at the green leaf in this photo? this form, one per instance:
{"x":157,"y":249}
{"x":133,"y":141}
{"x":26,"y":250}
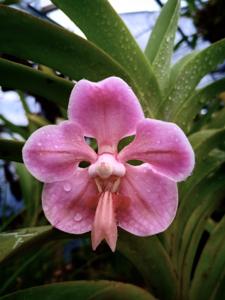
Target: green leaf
{"x":150,"y":258}
{"x":82,"y":290}
{"x":175,"y":69}
{"x":38,"y":121}
{"x":14,"y":128}
{"x":103,"y":26}
{"x":189,"y":76}
{"x":203,"y":168}
{"x":206,"y":140}
{"x":10,"y":241}
{"x":159,"y":49}
{"x":218,"y":119}
{"x":9,"y":2}
{"x":27,"y":37}
{"x":195,"y":226}
{"x":210,"y":270}
{"x":17,"y":76}
{"x":207,"y":163}
{"x":31,"y":193}
{"x":201,"y":97}
{"x":11,"y":150}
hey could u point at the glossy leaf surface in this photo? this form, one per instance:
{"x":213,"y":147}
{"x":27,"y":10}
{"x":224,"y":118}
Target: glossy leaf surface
{"x":27,"y":37}
{"x":152,"y":261}
{"x":82,"y":290}
{"x":17,"y":76}
{"x":104,"y":28}
{"x":160,"y":45}
{"x":210,"y":270}
{"x":189,"y":76}
{"x":10,"y":241}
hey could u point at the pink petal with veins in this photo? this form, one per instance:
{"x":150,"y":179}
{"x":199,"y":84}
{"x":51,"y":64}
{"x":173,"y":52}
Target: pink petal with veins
{"x":104,"y":226}
{"x":52,"y":152}
{"x":70,"y":205}
{"x":164,"y":146}
{"x":152,"y":204}
{"x":107,"y":110}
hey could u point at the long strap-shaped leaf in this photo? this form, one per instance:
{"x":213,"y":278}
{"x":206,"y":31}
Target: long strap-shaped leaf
{"x":103,"y":26}
{"x":14,"y":128}
{"x":203,"y":142}
{"x":28,"y":37}
{"x":82,"y":290}
{"x":184,"y":118}
{"x":210,"y":270}
{"x":207,"y":203}
{"x":206,"y":140}
{"x":150,"y":258}
{"x":11,"y":150}
{"x":218,"y":119}
{"x":185,"y":115}
{"x":189,"y":76}
{"x":203,"y":169}
{"x":17,"y":76}
{"x":161,"y":42}
{"x":11,"y":241}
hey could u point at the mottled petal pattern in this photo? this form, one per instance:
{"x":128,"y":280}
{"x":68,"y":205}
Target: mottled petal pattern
{"x":52,"y":152}
{"x":70,"y":205}
{"x":153,"y":201}
{"x":107,"y":110}
{"x":164,"y":146}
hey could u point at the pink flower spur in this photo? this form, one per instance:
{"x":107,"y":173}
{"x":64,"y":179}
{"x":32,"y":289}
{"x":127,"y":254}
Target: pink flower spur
{"x":110,"y":192}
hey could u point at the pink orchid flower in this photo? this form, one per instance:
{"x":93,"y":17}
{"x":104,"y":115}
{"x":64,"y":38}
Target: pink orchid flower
{"x":110,"y":192}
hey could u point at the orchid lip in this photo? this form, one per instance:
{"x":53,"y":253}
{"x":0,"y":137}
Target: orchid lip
{"x":104,"y":226}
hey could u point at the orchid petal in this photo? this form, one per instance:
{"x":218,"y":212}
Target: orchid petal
{"x":52,"y":152}
{"x":164,"y":146}
{"x":153,"y":201}
{"x":70,"y":205}
{"x":107,"y":110}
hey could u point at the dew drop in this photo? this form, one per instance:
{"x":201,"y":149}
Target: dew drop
{"x":67,"y":187}
{"x":77,"y":217}
{"x":168,"y":39}
{"x":39,"y":144}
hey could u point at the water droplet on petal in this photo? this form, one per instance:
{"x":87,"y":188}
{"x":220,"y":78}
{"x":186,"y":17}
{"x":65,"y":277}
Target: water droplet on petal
{"x":39,"y":144}
{"x":67,"y":187}
{"x":78,"y":217}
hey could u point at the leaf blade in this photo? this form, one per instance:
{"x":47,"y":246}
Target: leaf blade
{"x":17,"y":76}
{"x":189,"y":76}
{"x":10,"y":241}
{"x":27,"y":37}
{"x":194,"y":103}
{"x":83,"y":290}
{"x":154,"y":264}
{"x":160,"y":45}
{"x":103,"y":26}
{"x":11,"y":150}
{"x":210,"y":269}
